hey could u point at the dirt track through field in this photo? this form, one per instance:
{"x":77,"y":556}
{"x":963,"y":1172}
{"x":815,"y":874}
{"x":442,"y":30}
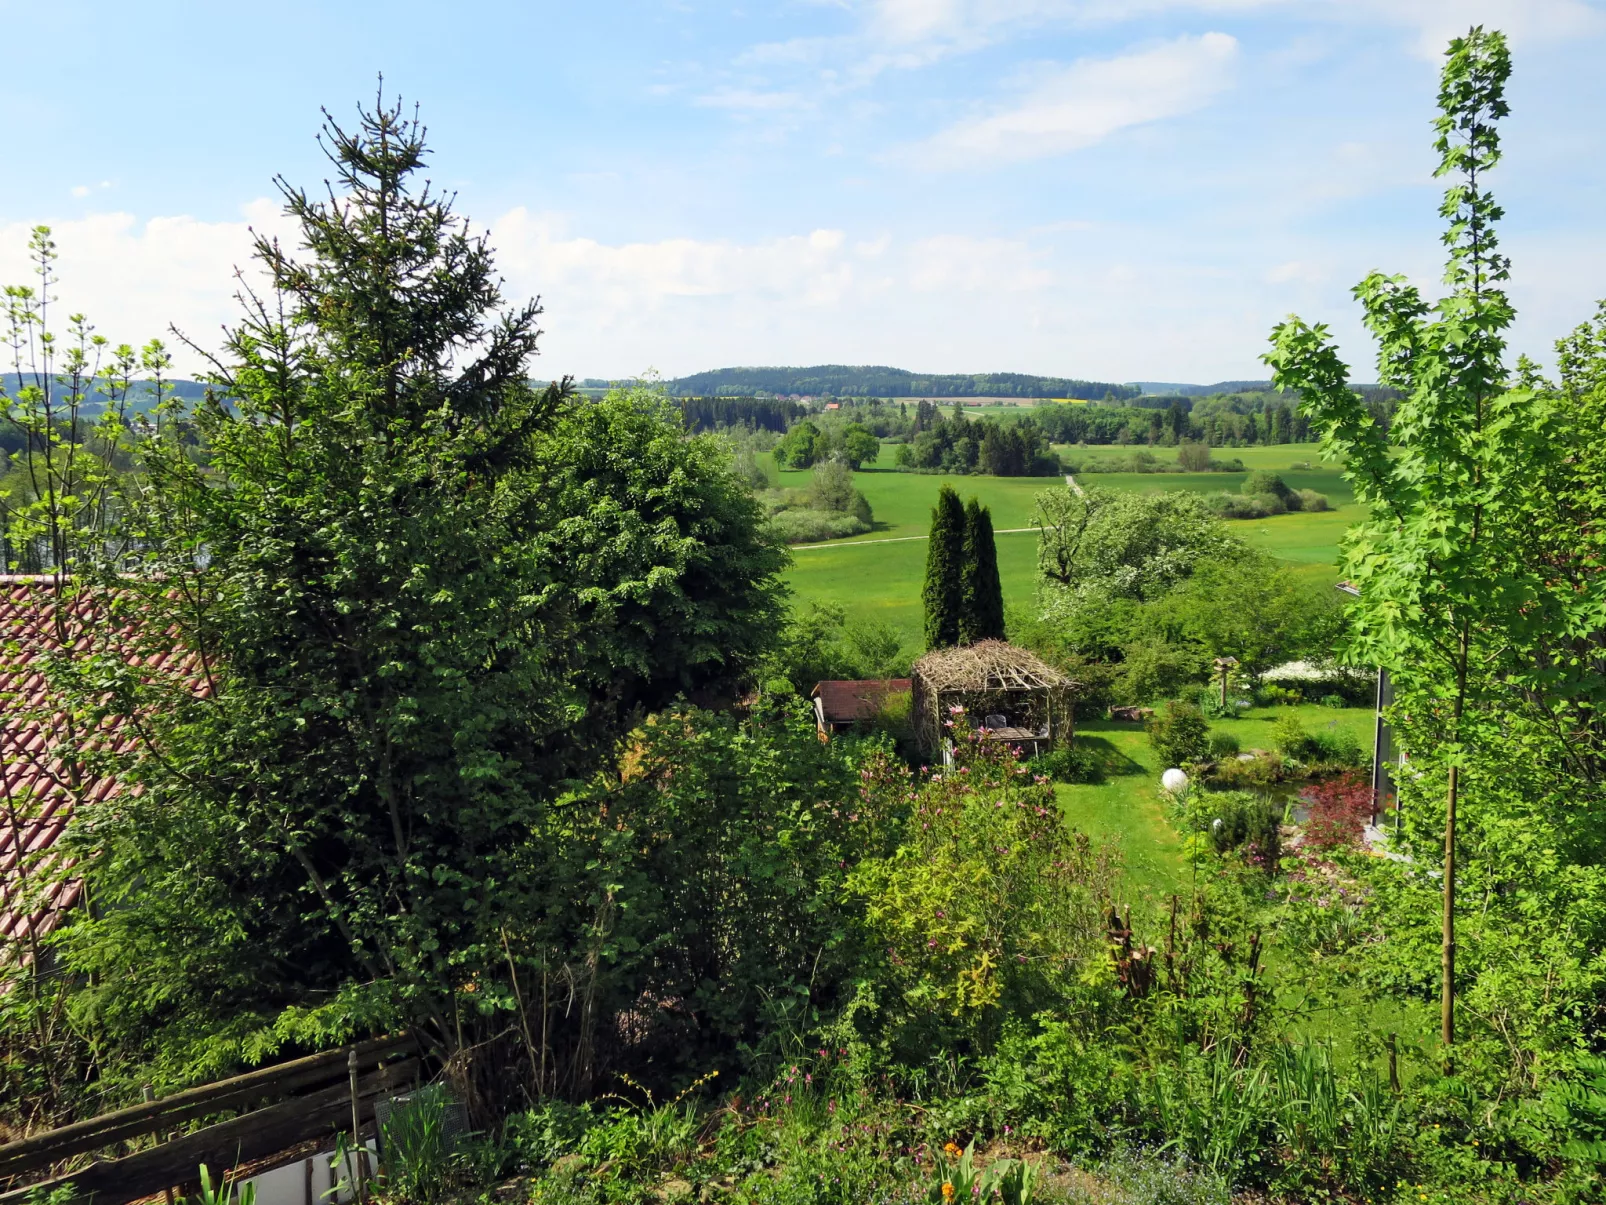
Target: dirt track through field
{"x":1003,"y":531}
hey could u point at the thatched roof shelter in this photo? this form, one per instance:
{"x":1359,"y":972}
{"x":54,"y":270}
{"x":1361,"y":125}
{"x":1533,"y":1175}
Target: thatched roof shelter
{"x":1007,"y":690}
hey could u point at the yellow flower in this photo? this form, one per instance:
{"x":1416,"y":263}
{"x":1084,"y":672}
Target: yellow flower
{"x":951,"y":1149}
{"x":947,"y":1189}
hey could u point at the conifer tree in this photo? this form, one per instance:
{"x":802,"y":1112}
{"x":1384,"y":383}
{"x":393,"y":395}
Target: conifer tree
{"x":943,"y":595}
{"x":982,"y":610}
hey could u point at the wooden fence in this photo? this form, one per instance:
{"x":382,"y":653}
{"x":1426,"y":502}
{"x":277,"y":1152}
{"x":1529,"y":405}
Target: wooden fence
{"x":311,"y":1098}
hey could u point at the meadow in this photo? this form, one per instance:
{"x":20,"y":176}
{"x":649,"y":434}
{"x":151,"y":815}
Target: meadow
{"x":878,"y":575}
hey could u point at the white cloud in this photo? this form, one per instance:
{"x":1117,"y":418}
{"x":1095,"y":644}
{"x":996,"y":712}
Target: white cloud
{"x":1088,"y":101}
{"x":134,"y":280}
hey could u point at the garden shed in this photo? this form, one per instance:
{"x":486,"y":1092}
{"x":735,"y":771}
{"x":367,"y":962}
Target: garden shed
{"x":1007,"y":690}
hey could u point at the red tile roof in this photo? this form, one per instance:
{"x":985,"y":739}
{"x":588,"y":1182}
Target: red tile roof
{"x":845,"y":702}
{"x":40,"y":789}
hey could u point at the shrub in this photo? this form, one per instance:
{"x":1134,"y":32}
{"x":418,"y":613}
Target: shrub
{"x":1272,"y":695}
{"x":1288,"y":735}
{"x":1240,"y":820}
{"x":1272,"y":504}
{"x":988,"y":907}
{"x":1264,"y":481}
{"x":1334,"y":701}
{"x":1179,"y":733}
{"x":1310,"y":500}
{"x":1335,"y":748}
{"x":1067,"y":763}
{"x":808,"y":526}
{"x":1339,"y":811}
{"x":1241,"y":506}
{"x":1193,"y":458}
{"x":1223,"y":744}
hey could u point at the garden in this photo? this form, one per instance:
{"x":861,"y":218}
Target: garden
{"x":382,"y":701}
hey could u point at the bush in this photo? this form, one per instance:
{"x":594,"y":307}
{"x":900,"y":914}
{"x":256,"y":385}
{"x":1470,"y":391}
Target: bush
{"x":1334,"y":701}
{"x":1264,"y":481}
{"x":1179,"y":733}
{"x":1289,"y":737}
{"x":1240,"y":506}
{"x":1335,"y":748}
{"x":1223,"y":744}
{"x":1262,"y":770}
{"x":1272,"y":695}
{"x":808,"y":526}
{"x":1067,"y":763}
{"x":1310,"y":500}
{"x":1240,"y":820}
{"x":1193,"y":458}
{"x":1339,"y":811}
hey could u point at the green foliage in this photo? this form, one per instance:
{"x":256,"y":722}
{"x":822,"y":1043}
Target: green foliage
{"x":987,"y":909}
{"x":799,"y":447}
{"x":981,"y":613}
{"x":227,"y":1191}
{"x":416,"y":1147}
{"x":1223,"y":744}
{"x":426,"y":599}
{"x":955,"y":1177}
{"x":859,"y":446}
{"x":819,"y":643}
{"x":1240,"y":820}
{"x":1125,"y":546}
{"x":1067,"y":762}
{"x":943,"y":594}
{"x":1179,"y":733}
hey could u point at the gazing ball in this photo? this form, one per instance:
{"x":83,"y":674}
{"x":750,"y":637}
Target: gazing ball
{"x":1174,"y":781}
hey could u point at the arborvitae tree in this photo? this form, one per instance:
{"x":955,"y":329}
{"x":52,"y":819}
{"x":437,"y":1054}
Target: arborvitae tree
{"x":943,"y":595}
{"x":981,"y":615}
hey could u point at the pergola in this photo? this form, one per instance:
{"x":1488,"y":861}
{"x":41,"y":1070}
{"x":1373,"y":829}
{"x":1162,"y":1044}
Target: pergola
{"x":1004,"y":689}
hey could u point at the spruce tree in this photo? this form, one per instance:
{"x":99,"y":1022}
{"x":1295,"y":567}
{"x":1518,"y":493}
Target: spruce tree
{"x":982,"y":608}
{"x":943,"y":595}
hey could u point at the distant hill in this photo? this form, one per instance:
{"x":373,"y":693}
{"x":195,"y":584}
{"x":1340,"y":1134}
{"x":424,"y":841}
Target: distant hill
{"x":844,"y":380}
{"x":141,"y":398}
{"x":1172,"y":389}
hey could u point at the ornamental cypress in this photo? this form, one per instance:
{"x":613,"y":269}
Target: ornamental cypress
{"x":943,"y":595}
{"x":981,"y":614}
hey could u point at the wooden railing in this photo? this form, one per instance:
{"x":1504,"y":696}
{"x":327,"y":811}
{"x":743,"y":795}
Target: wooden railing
{"x":312,"y":1097}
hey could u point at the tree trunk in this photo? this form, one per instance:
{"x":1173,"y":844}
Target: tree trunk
{"x":1447,"y":988}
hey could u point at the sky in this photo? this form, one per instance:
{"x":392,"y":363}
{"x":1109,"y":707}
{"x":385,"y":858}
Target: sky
{"x":1106,"y":189}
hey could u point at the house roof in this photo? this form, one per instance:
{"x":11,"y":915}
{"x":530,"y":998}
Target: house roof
{"x":843,"y":702}
{"x":40,"y":788}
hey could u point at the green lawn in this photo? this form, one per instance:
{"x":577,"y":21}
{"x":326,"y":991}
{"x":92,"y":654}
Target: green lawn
{"x":1126,"y":809}
{"x":878,"y":575}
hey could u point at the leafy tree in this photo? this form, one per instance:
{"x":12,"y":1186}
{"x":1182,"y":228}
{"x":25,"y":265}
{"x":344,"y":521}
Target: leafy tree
{"x":943,"y":593}
{"x":425,"y":598}
{"x":1123,"y":545}
{"x":982,"y":593}
{"x":799,"y":447}
{"x":859,"y":446}
{"x":1444,"y":604}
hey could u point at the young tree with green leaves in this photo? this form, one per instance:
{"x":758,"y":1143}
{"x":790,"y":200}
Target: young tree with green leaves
{"x":1446,"y":605}
{"x":982,"y":593}
{"x":943,"y":593}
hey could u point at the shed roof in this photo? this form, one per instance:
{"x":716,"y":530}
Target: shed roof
{"x":844,"y":702}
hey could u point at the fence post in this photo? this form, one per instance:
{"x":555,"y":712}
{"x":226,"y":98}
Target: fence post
{"x":358,"y":1152}
{"x":148,"y":1095}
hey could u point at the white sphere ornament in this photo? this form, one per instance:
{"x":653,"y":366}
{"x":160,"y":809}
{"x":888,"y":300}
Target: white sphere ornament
{"x":1174,"y":781}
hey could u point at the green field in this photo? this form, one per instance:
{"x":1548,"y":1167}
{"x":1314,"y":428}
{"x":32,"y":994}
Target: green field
{"x":878,"y":575}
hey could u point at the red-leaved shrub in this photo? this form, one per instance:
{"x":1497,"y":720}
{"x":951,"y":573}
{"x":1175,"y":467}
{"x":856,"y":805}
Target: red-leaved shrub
{"x":1339,"y":810}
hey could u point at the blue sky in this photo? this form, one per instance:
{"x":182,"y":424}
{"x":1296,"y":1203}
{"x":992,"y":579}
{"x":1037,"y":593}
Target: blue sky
{"x":1119,"y":190}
